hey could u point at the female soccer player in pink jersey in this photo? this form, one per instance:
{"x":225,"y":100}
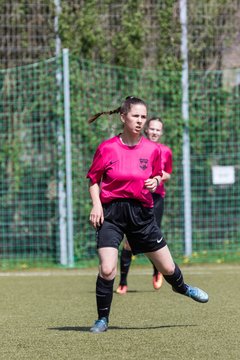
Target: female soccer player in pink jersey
{"x":125,"y":170}
{"x":154,"y":131}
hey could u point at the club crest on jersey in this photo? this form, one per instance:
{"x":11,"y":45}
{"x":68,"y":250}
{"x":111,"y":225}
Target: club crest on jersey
{"x":143,"y":163}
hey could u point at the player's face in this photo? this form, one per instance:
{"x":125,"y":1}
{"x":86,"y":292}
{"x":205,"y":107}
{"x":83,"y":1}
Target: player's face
{"x":135,"y":119}
{"x":154,"y":130}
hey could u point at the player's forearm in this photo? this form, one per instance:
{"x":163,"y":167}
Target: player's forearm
{"x":166,"y":176}
{"x":94,"y":191}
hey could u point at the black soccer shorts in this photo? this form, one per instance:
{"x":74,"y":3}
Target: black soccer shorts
{"x":137,"y":222}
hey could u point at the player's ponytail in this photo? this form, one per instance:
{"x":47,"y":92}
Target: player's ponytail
{"x":123,"y":109}
{"x":94,"y":117}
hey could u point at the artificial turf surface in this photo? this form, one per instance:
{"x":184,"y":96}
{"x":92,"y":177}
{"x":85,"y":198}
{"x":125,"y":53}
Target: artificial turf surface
{"x":47,"y":315}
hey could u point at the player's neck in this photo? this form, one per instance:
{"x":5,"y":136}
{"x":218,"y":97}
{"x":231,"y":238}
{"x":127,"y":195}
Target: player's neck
{"x":130,"y":140}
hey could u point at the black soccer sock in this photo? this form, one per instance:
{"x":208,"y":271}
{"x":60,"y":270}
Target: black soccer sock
{"x":176,"y":280}
{"x":125,"y":262}
{"x":104,"y":295}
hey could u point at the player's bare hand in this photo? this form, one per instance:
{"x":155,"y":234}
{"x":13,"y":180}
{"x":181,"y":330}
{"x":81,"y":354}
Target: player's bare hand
{"x":151,"y":184}
{"x":96,"y":216}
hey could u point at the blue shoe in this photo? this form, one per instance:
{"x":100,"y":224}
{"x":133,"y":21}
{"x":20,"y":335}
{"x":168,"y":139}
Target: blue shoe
{"x":99,"y":326}
{"x":196,"y":294}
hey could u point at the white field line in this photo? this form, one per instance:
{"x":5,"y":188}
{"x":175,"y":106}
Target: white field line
{"x":196,"y":270}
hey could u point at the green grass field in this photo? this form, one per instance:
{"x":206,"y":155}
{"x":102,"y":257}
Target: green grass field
{"x":47,"y":315}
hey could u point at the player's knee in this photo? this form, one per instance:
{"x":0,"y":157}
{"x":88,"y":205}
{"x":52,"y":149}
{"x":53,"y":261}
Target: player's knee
{"x":169,"y":269}
{"x":108,"y":272}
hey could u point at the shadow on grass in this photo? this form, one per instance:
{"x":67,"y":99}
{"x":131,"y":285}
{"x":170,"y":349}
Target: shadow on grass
{"x":86,"y":329}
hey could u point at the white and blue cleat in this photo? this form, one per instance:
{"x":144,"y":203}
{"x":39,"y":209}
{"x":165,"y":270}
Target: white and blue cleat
{"x":99,"y":326}
{"x":197,"y":294}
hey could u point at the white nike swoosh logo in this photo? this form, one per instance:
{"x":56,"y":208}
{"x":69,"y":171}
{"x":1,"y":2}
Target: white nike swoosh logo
{"x":158,"y":241}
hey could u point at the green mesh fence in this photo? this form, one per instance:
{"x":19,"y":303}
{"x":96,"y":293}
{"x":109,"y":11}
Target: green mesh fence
{"x":28,"y":160}
{"x":31,"y":156}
